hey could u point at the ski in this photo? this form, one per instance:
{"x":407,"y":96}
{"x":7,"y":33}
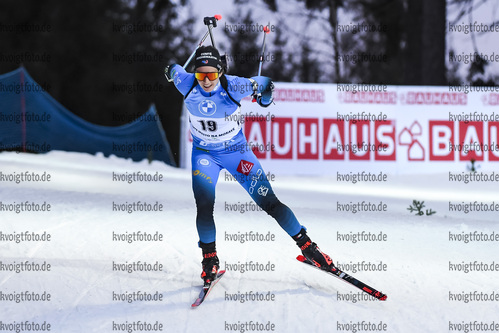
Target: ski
{"x":336,"y":272}
{"x":206,"y":290}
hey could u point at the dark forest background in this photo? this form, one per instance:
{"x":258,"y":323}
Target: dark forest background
{"x":83,"y":56}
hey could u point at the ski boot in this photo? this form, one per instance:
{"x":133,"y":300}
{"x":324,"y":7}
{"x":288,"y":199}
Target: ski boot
{"x":210,"y":262}
{"x":312,"y":252}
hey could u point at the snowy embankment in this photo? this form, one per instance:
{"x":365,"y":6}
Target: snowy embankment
{"x":417,"y":263}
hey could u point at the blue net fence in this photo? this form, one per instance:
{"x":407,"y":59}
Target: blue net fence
{"x":31,"y":120}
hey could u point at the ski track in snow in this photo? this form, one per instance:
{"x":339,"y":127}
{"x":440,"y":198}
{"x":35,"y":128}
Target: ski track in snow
{"x":81,"y":222}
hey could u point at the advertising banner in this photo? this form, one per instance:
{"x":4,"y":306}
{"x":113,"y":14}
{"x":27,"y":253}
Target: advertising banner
{"x":315,"y":128}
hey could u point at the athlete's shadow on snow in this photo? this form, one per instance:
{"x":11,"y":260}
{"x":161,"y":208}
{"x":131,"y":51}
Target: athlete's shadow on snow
{"x":100,"y":317}
{"x":230,"y":293}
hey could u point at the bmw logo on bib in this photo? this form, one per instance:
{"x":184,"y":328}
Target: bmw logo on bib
{"x":207,"y":107}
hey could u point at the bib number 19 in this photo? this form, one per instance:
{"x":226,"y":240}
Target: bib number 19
{"x":209,"y":125}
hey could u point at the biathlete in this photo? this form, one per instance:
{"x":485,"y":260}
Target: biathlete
{"x":212,"y":99}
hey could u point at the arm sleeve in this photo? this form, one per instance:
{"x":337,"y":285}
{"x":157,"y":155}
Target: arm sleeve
{"x":182,"y":80}
{"x":239,"y":87}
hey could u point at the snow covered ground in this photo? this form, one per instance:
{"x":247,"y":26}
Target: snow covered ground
{"x":422,"y":269}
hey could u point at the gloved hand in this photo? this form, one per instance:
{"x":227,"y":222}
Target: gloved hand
{"x":264,"y":90}
{"x":167,"y":72}
{"x":267,"y":96}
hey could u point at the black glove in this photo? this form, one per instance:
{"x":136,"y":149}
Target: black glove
{"x":263,"y":90}
{"x":167,"y":72}
{"x":267,"y":96}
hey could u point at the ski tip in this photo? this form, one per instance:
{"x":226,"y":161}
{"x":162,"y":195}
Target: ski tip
{"x":206,"y":290}
{"x":301,"y":258}
{"x":379,"y":295}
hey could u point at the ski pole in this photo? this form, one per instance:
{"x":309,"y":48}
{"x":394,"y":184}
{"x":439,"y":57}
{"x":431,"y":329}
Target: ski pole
{"x":211,"y":22}
{"x":215,"y":18}
{"x":266,"y":30}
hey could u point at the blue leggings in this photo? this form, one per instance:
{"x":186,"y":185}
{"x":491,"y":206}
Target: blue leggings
{"x":245,"y":167}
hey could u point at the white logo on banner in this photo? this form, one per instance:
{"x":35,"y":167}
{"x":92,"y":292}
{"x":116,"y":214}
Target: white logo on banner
{"x":408,"y":137}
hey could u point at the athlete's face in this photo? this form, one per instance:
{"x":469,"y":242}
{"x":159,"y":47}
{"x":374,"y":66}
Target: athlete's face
{"x":206,"y":84}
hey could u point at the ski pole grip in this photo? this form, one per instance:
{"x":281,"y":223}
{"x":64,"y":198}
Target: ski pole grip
{"x":210,"y":20}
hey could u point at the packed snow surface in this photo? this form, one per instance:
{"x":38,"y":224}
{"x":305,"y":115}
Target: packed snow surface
{"x":438,"y":270}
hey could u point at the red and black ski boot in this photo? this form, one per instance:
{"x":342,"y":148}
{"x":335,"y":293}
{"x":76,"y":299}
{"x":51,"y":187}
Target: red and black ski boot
{"x":210,"y":262}
{"x":311,"y":251}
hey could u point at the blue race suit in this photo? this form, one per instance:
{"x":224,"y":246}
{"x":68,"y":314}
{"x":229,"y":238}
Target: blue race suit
{"x":218,"y":143}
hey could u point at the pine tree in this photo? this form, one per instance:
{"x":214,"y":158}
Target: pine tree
{"x":244,"y":45}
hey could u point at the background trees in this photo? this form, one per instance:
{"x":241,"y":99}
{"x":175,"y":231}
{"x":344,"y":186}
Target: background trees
{"x":94,"y":48}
